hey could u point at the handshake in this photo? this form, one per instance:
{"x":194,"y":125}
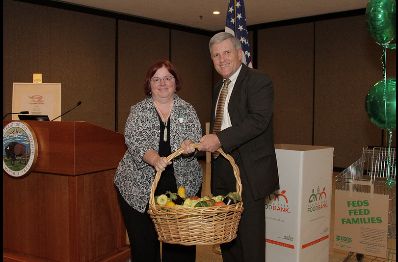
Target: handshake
{"x":209,"y":143}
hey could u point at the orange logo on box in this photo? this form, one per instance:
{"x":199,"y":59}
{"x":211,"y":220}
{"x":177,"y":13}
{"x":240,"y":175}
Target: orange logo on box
{"x":277,"y":204}
{"x":281,"y":195}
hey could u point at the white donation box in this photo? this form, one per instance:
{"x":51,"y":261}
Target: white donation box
{"x":298,"y":215}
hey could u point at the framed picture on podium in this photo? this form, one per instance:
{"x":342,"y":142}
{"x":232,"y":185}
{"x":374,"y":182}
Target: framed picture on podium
{"x":37,"y":98}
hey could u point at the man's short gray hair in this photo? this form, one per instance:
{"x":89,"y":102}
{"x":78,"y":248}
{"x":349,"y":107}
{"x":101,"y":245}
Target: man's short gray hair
{"x":219,"y":37}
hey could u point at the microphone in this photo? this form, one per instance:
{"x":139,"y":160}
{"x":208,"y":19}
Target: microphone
{"x":19,"y":113}
{"x":78,"y":104}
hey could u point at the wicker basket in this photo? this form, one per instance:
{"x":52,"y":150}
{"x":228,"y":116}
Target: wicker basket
{"x":199,"y":225}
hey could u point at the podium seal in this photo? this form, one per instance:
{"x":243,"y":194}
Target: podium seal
{"x":19,"y":149}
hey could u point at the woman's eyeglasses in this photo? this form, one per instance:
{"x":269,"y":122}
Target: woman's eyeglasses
{"x":157,"y":80}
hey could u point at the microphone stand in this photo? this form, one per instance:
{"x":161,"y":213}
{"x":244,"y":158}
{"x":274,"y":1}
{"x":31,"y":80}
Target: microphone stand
{"x":78,"y":104}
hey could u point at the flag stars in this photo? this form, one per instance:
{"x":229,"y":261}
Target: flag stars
{"x":236,"y":22}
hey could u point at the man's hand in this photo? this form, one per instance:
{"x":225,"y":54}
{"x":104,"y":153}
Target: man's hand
{"x":209,"y":143}
{"x":186,"y":145}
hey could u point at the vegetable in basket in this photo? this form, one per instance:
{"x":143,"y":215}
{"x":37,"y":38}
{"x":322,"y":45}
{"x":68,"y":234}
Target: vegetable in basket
{"x":194,"y":201}
{"x":232,"y":198}
{"x":177,"y":199}
{"x":161,"y":200}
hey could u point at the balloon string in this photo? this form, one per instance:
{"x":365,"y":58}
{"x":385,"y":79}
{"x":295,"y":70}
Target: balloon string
{"x":384,"y":63}
{"x":389,"y":137}
{"x":389,"y":180}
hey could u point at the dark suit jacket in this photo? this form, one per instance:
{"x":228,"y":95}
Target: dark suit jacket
{"x":250,"y":138}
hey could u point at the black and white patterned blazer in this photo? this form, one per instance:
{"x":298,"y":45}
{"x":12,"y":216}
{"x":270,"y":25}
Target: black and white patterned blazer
{"x":134,"y":177}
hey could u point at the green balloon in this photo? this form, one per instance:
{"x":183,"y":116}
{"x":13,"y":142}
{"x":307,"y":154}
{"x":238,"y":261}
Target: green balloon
{"x":390,"y":182}
{"x":381,"y":104}
{"x":381,"y":20}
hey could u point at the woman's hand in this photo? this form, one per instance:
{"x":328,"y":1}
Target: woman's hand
{"x":159,"y":163}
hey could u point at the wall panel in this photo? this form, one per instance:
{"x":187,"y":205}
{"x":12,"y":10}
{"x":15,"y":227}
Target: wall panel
{"x":26,"y":41}
{"x":286,"y":54}
{"x":190,"y":54}
{"x":139,"y":46}
{"x":347,"y":65}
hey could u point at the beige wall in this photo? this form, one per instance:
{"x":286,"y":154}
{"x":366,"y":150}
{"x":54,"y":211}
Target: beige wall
{"x":322,"y":70}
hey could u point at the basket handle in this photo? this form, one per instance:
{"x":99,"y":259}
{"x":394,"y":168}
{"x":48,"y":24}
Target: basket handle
{"x":177,"y":153}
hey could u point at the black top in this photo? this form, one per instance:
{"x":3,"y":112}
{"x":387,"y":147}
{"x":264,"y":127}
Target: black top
{"x":167,"y":180}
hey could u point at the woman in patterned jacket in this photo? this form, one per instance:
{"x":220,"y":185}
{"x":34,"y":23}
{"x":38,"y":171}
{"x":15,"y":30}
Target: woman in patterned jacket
{"x":156,"y":127}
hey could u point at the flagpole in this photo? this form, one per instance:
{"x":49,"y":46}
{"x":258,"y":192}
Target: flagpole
{"x":235,"y":15}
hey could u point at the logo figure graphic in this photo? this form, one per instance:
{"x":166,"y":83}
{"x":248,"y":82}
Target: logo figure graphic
{"x":317,"y":196}
{"x":281,"y":195}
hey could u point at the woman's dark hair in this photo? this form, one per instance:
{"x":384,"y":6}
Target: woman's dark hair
{"x":152,"y":70}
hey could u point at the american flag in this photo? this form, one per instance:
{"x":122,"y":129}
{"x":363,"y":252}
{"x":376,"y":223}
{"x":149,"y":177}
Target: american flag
{"x":236,"y":25}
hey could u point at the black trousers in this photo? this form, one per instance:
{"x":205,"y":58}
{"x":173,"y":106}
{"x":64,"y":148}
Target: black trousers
{"x":144,"y":243}
{"x":249,"y":246}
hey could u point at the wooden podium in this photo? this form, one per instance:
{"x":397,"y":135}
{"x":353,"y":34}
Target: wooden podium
{"x":66,"y":209}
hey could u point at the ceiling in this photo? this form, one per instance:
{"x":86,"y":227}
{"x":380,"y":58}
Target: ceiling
{"x":198,"y":13}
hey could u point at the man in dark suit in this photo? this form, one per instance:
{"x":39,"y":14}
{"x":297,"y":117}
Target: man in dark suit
{"x":247,"y":135}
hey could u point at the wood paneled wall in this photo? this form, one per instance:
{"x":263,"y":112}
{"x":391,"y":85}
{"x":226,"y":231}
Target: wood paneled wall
{"x":321,"y":70}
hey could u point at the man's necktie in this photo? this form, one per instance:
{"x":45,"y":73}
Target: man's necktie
{"x":220,"y":110}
